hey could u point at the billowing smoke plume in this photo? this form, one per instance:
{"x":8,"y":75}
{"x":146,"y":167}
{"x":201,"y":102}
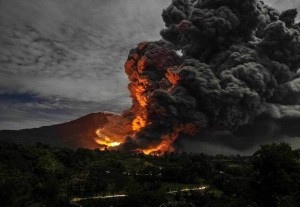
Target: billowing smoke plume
{"x":219,"y":64}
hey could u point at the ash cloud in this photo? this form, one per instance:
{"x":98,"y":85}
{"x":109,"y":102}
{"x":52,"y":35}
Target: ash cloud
{"x":236,"y":81}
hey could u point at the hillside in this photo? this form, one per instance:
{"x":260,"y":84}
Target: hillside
{"x":77,"y":133}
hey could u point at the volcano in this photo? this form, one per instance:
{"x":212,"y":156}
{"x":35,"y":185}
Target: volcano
{"x":84,"y":133}
{"x":78,"y":133}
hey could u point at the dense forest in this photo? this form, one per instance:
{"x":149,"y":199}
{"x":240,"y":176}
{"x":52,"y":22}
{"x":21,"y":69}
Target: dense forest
{"x":33,"y":176}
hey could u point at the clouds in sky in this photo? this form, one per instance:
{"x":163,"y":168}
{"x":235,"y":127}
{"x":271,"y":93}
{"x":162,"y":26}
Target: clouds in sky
{"x":69,"y":51}
{"x":67,"y":56}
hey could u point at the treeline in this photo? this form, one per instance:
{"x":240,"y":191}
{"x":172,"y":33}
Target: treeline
{"x":33,"y":176}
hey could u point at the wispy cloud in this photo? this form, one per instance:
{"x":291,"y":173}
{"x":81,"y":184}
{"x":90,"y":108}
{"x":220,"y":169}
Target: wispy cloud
{"x":72,"y":51}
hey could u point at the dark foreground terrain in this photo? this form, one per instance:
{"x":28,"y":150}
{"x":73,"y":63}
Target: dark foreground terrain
{"x":33,"y":176}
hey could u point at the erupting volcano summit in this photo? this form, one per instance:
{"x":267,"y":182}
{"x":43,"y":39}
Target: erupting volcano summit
{"x":219,"y":65}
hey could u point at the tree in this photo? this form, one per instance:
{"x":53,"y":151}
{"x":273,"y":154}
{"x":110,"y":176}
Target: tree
{"x":277,"y":173}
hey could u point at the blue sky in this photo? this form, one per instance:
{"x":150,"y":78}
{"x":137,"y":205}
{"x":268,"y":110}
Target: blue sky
{"x":60,"y":60}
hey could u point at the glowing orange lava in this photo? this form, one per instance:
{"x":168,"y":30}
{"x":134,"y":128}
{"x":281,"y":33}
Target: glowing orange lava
{"x":172,"y":77}
{"x":166,"y":144}
{"x":142,"y":64}
{"x":113,"y":133}
{"x":138,"y":123}
{"x":105,"y":141}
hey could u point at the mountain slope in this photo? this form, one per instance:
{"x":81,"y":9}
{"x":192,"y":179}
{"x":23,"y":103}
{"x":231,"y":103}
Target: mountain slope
{"x":77,"y":133}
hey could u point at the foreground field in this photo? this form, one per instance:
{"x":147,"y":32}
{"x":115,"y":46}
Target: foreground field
{"x":38,"y":175}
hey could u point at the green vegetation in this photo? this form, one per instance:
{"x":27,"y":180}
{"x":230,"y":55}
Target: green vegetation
{"x":33,"y":176}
